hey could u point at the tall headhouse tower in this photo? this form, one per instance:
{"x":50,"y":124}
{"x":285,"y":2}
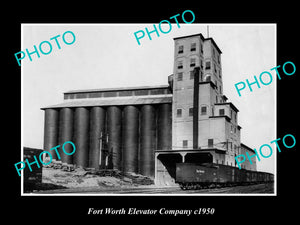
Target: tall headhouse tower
{"x":201,"y":116}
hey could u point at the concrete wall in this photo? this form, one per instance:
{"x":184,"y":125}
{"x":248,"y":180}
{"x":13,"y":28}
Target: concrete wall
{"x":183,"y":90}
{"x":209,"y":50}
{"x":212,"y":129}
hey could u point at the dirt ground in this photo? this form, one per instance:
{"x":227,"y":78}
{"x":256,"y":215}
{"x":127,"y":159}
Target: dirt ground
{"x":80,"y":178}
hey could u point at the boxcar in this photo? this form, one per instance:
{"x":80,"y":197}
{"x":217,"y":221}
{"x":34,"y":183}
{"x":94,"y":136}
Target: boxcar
{"x":194,"y":176}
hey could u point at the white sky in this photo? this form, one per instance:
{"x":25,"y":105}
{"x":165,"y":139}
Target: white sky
{"x":107,"y":55}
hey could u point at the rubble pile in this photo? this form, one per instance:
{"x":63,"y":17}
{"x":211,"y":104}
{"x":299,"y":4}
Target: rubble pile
{"x":70,"y":176}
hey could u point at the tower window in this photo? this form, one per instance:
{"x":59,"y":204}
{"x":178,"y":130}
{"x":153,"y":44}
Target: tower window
{"x":203,"y":110}
{"x":191,"y":75}
{"x":221,"y":112}
{"x":201,"y":48}
{"x":185,"y":143}
{"x":180,"y":65}
{"x":207,"y":65}
{"x":210,"y":143}
{"x":193,"y":62}
{"x":179,"y":113}
{"x":179,"y":76}
{"x":191,"y":111}
{"x":207,"y":77}
{"x":193,"y":47}
{"x":180,"y":49}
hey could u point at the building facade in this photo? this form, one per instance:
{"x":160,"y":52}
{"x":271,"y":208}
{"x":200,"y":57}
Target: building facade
{"x":247,"y":164}
{"x":147,"y":130}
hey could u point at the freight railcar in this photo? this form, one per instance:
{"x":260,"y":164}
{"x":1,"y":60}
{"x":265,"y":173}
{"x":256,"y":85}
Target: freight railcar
{"x":209,"y":175}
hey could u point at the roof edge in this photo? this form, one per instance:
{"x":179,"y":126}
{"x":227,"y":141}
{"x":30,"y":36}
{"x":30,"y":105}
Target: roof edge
{"x":117,"y":89}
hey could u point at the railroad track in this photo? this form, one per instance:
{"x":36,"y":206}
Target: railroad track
{"x":251,"y":189}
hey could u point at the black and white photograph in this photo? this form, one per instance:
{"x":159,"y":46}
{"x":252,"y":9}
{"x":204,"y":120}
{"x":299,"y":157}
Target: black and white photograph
{"x":149,"y":116}
{"x":136,"y":113}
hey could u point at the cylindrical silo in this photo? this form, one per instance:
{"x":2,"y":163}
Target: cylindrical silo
{"x":66,"y":134}
{"x":164,"y":127}
{"x":97,"y":128}
{"x":147,"y":140}
{"x":114,"y":137}
{"x":51,"y":130}
{"x":130,"y":139}
{"x":81,"y":136}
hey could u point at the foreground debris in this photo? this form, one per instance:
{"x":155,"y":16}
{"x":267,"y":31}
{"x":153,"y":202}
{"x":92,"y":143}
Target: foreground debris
{"x":58,"y":175}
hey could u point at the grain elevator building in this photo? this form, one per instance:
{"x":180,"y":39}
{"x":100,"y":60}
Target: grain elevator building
{"x":149,"y":129}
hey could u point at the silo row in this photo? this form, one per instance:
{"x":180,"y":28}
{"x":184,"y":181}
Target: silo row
{"x":132,"y":134}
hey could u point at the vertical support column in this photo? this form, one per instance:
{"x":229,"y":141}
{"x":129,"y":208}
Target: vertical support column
{"x":81,"y":137}
{"x":196,"y":108}
{"x":164,"y":127}
{"x":183,"y":154}
{"x":66,"y":133}
{"x":114,"y":132}
{"x":51,"y":130}
{"x":97,"y":126}
{"x":147,"y":140}
{"x":130,"y":139}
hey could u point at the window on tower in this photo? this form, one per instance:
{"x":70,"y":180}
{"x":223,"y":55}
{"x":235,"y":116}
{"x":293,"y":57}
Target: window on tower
{"x":207,"y":65}
{"x":191,"y":75}
{"x":207,"y":77}
{"x":193,"y":47}
{"x":221,"y":112}
{"x":210,"y":143}
{"x":190,"y":111}
{"x":203,"y":110}
{"x":180,"y":65}
{"x":185,"y":143}
{"x":180,"y":49}
{"x":179,"y":113}
{"x":193,"y":62}
{"x":179,"y":76}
